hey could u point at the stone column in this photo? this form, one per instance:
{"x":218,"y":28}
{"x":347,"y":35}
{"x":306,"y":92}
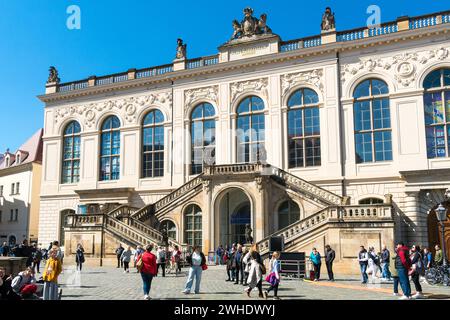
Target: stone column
{"x":416,"y":221}
{"x":260,"y":212}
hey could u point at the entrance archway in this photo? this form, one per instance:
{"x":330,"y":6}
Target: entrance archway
{"x":434,"y":230}
{"x":235,"y":212}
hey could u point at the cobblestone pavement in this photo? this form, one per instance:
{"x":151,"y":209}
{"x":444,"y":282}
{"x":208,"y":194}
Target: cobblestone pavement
{"x":112,"y":284}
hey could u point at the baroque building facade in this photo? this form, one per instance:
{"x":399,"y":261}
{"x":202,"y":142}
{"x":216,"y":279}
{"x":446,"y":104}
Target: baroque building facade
{"x":340,"y":138}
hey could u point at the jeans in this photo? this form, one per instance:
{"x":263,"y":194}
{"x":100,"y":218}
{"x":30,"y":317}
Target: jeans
{"x":163,"y":267}
{"x":50,"y":291}
{"x":147,"y":282}
{"x":316,"y":271}
{"x":194,"y":271}
{"x":239,"y":274}
{"x":396,"y":281}
{"x":404,"y":281}
{"x":275,"y":290}
{"x":365,"y":277}
{"x":330,"y":270}
{"x":126,"y":266}
{"x":119,"y":262}
{"x":386,"y":274}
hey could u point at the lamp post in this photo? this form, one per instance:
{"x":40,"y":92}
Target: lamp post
{"x":441,"y":214}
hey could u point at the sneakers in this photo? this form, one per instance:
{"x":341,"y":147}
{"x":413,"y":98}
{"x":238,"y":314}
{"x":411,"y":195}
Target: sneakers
{"x":186,"y":292}
{"x":146,"y":297}
{"x":396,"y":294}
{"x":247,"y":291}
{"x":418,"y":295}
{"x":404,"y":298}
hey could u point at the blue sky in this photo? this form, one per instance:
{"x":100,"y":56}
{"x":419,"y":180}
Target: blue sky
{"x":117,"y":35}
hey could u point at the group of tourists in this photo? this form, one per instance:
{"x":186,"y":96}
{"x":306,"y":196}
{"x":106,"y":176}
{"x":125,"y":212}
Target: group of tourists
{"x":25,"y":285}
{"x":409,"y":265}
{"x":168,"y":259}
{"x":245,"y":267}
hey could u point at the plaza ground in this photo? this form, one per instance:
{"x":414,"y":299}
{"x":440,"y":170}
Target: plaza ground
{"x":112,"y":284}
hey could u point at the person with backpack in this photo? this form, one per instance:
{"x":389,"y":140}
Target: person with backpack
{"x":363,"y":259}
{"x":126,"y":258}
{"x":316,"y":260}
{"x":256,"y":270}
{"x":37,"y":257}
{"x":119,"y":252}
{"x":53,"y":269}
{"x":274,"y":276}
{"x":79,"y":257}
{"x":161,"y":256}
{"x":197,"y":261}
{"x":402,"y":265}
{"x":416,"y":271}
{"x":147,"y":266}
{"x":23,"y":279}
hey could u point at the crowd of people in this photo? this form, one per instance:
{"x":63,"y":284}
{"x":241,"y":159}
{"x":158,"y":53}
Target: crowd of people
{"x":26,"y":285}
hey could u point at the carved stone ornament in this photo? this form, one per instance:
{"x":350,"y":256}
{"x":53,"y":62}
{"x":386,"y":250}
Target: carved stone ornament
{"x":250,"y":26}
{"x":404,"y":66}
{"x":128,"y":108}
{"x":313,"y":77}
{"x":258,"y":85}
{"x":193,"y":95}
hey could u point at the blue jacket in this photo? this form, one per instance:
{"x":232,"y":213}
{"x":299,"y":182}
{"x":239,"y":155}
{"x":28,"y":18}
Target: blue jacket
{"x":316,"y":259}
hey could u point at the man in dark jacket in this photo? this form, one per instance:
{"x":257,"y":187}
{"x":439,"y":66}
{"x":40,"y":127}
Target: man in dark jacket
{"x":239,"y":255}
{"x":402,"y":265}
{"x":119,"y":252}
{"x":385,"y":262}
{"x":330,"y":255}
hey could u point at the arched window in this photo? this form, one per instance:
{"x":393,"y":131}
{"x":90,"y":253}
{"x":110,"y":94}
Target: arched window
{"x":153,"y":145}
{"x":372,"y":122}
{"x":437,"y":113}
{"x":304,"y":129}
{"x":371,"y":201}
{"x":203,"y":140}
{"x":110,"y":149}
{"x":288,"y":213}
{"x":170,"y":227}
{"x":193,"y":225}
{"x":71,"y":153}
{"x":250,"y":130}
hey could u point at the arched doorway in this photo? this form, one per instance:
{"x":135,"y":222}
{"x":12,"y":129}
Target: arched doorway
{"x":235,"y":212}
{"x":170,"y":227}
{"x":434,"y":229}
{"x":63,"y":221}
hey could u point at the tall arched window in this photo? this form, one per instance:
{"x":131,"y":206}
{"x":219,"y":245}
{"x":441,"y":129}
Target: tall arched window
{"x":170,"y":227}
{"x":437,"y":113}
{"x":110,"y":149}
{"x":193,"y":225}
{"x":251,"y":127}
{"x":203,"y":140}
{"x":71,"y":153}
{"x":288,"y":213}
{"x":372,"y":122}
{"x":304,"y":129}
{"x":153,"y":145}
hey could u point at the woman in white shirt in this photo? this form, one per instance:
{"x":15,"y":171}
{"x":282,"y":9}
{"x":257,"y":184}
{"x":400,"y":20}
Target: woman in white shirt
{"x":198,"y":262}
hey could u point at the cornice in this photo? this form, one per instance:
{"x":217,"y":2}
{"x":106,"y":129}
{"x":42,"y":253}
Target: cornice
{"x":252,"y":62}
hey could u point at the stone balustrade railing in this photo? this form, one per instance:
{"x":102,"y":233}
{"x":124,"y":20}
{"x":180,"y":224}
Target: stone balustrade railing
{"x":338,"y":214}
{"x":123,"y":210}
{"x":232,"y":169}
{"x":89,"y":220}
{"x":291,"y":45}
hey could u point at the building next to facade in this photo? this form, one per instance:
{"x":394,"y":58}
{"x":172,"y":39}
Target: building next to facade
{"x":341,"y":138}
{"x":20,"y":187}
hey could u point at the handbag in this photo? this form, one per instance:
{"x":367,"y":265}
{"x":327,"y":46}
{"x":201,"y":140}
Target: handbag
{"x":204,"y":267}
{"x":272,"y":279}
{"x":140,"y":263}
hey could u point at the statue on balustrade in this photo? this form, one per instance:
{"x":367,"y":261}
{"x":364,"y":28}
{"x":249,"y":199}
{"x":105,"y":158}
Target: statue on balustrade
{"x":250,"y":26}
{"x":53,"y":75}
{"x":181,"y":49}
{"x":165,"y":237}
{"x":328,"y":22}
{"x":248,"y":234}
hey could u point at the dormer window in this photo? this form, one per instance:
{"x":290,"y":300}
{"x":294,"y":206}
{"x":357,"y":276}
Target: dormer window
{"x":18,"y":159}
{"x":7,"y":161}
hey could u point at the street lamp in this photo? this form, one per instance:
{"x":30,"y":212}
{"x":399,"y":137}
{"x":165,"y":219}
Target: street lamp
{"x":441,"y":214}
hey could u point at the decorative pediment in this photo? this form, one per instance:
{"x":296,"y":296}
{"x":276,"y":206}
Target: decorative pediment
{"x":257,"y":85}
{"x":127,"y":107}
{"x":191,"y":96}
{"x":291,"y":80}
{"x":404,"y":66}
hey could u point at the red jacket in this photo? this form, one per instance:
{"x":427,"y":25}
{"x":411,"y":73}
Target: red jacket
{"x":149,"y":263}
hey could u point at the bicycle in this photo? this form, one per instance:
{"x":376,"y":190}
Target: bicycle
{"x":438,"y":275}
